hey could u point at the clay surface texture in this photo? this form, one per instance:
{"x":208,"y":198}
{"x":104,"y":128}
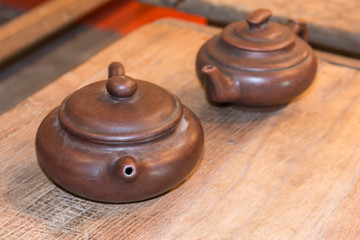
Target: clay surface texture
{"x":120,"y":140}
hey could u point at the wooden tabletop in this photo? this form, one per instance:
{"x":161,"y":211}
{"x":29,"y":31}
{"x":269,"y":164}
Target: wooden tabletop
{"x":332,"y":23}
{"x":289,"y":174}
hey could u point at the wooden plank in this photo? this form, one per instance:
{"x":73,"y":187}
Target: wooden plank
{"x":338,"y":59}
{"x":336,"y":27}
{"x":49,"y":62}
{"x":8,"y":13}
{"x":38,"y":23}
{"x":288,"y":174}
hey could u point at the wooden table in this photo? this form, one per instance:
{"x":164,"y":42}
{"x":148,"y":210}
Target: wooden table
{"x":332,"y":23}
{"x":289,"y":174}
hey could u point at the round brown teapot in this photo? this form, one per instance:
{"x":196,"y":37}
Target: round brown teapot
{"x":257,"y":63}
{"x":120,"y":140}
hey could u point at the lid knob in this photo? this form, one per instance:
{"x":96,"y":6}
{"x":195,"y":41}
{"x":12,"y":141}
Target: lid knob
{"x":119,"y":85}
{"x":258,"y":17}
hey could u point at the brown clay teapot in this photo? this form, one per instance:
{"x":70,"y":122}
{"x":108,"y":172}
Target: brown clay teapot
{"x":120,"y":140}
{"x":257,"y":63}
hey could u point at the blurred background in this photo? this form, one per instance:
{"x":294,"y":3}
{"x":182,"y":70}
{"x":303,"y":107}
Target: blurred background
{"x":43,"y":39}
{"x":59,"y":52}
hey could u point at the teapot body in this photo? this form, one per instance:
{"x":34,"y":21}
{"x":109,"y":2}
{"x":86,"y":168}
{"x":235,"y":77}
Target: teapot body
{"x":121,"y":140}
{"x":259,"y":88}
{"x":94,"y":170}
{"x":257,"y":63}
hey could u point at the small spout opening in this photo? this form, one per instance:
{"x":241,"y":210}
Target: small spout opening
{"x":127,"y":168}
{"x":129,"y":171}
{"x":207,"y":68}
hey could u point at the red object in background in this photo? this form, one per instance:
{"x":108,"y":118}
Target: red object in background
{"x":22,"y":4}
{"x":121,"y":16}
{"x":125,"y":16}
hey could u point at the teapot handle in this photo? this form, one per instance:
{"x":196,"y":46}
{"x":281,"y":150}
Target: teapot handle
{"x":299,"y":27}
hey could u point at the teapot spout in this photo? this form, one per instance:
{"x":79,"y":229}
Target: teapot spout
{"x":219,"y":87}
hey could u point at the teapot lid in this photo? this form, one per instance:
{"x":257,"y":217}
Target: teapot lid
{"x":257,"y":33}
{"x":258,"y":44}
{"x":120,"y":109}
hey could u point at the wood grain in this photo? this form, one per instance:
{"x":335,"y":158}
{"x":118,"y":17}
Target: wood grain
{"x":289,"y":174}
{"x":333,"y":23}
{"x":38,"y":23}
